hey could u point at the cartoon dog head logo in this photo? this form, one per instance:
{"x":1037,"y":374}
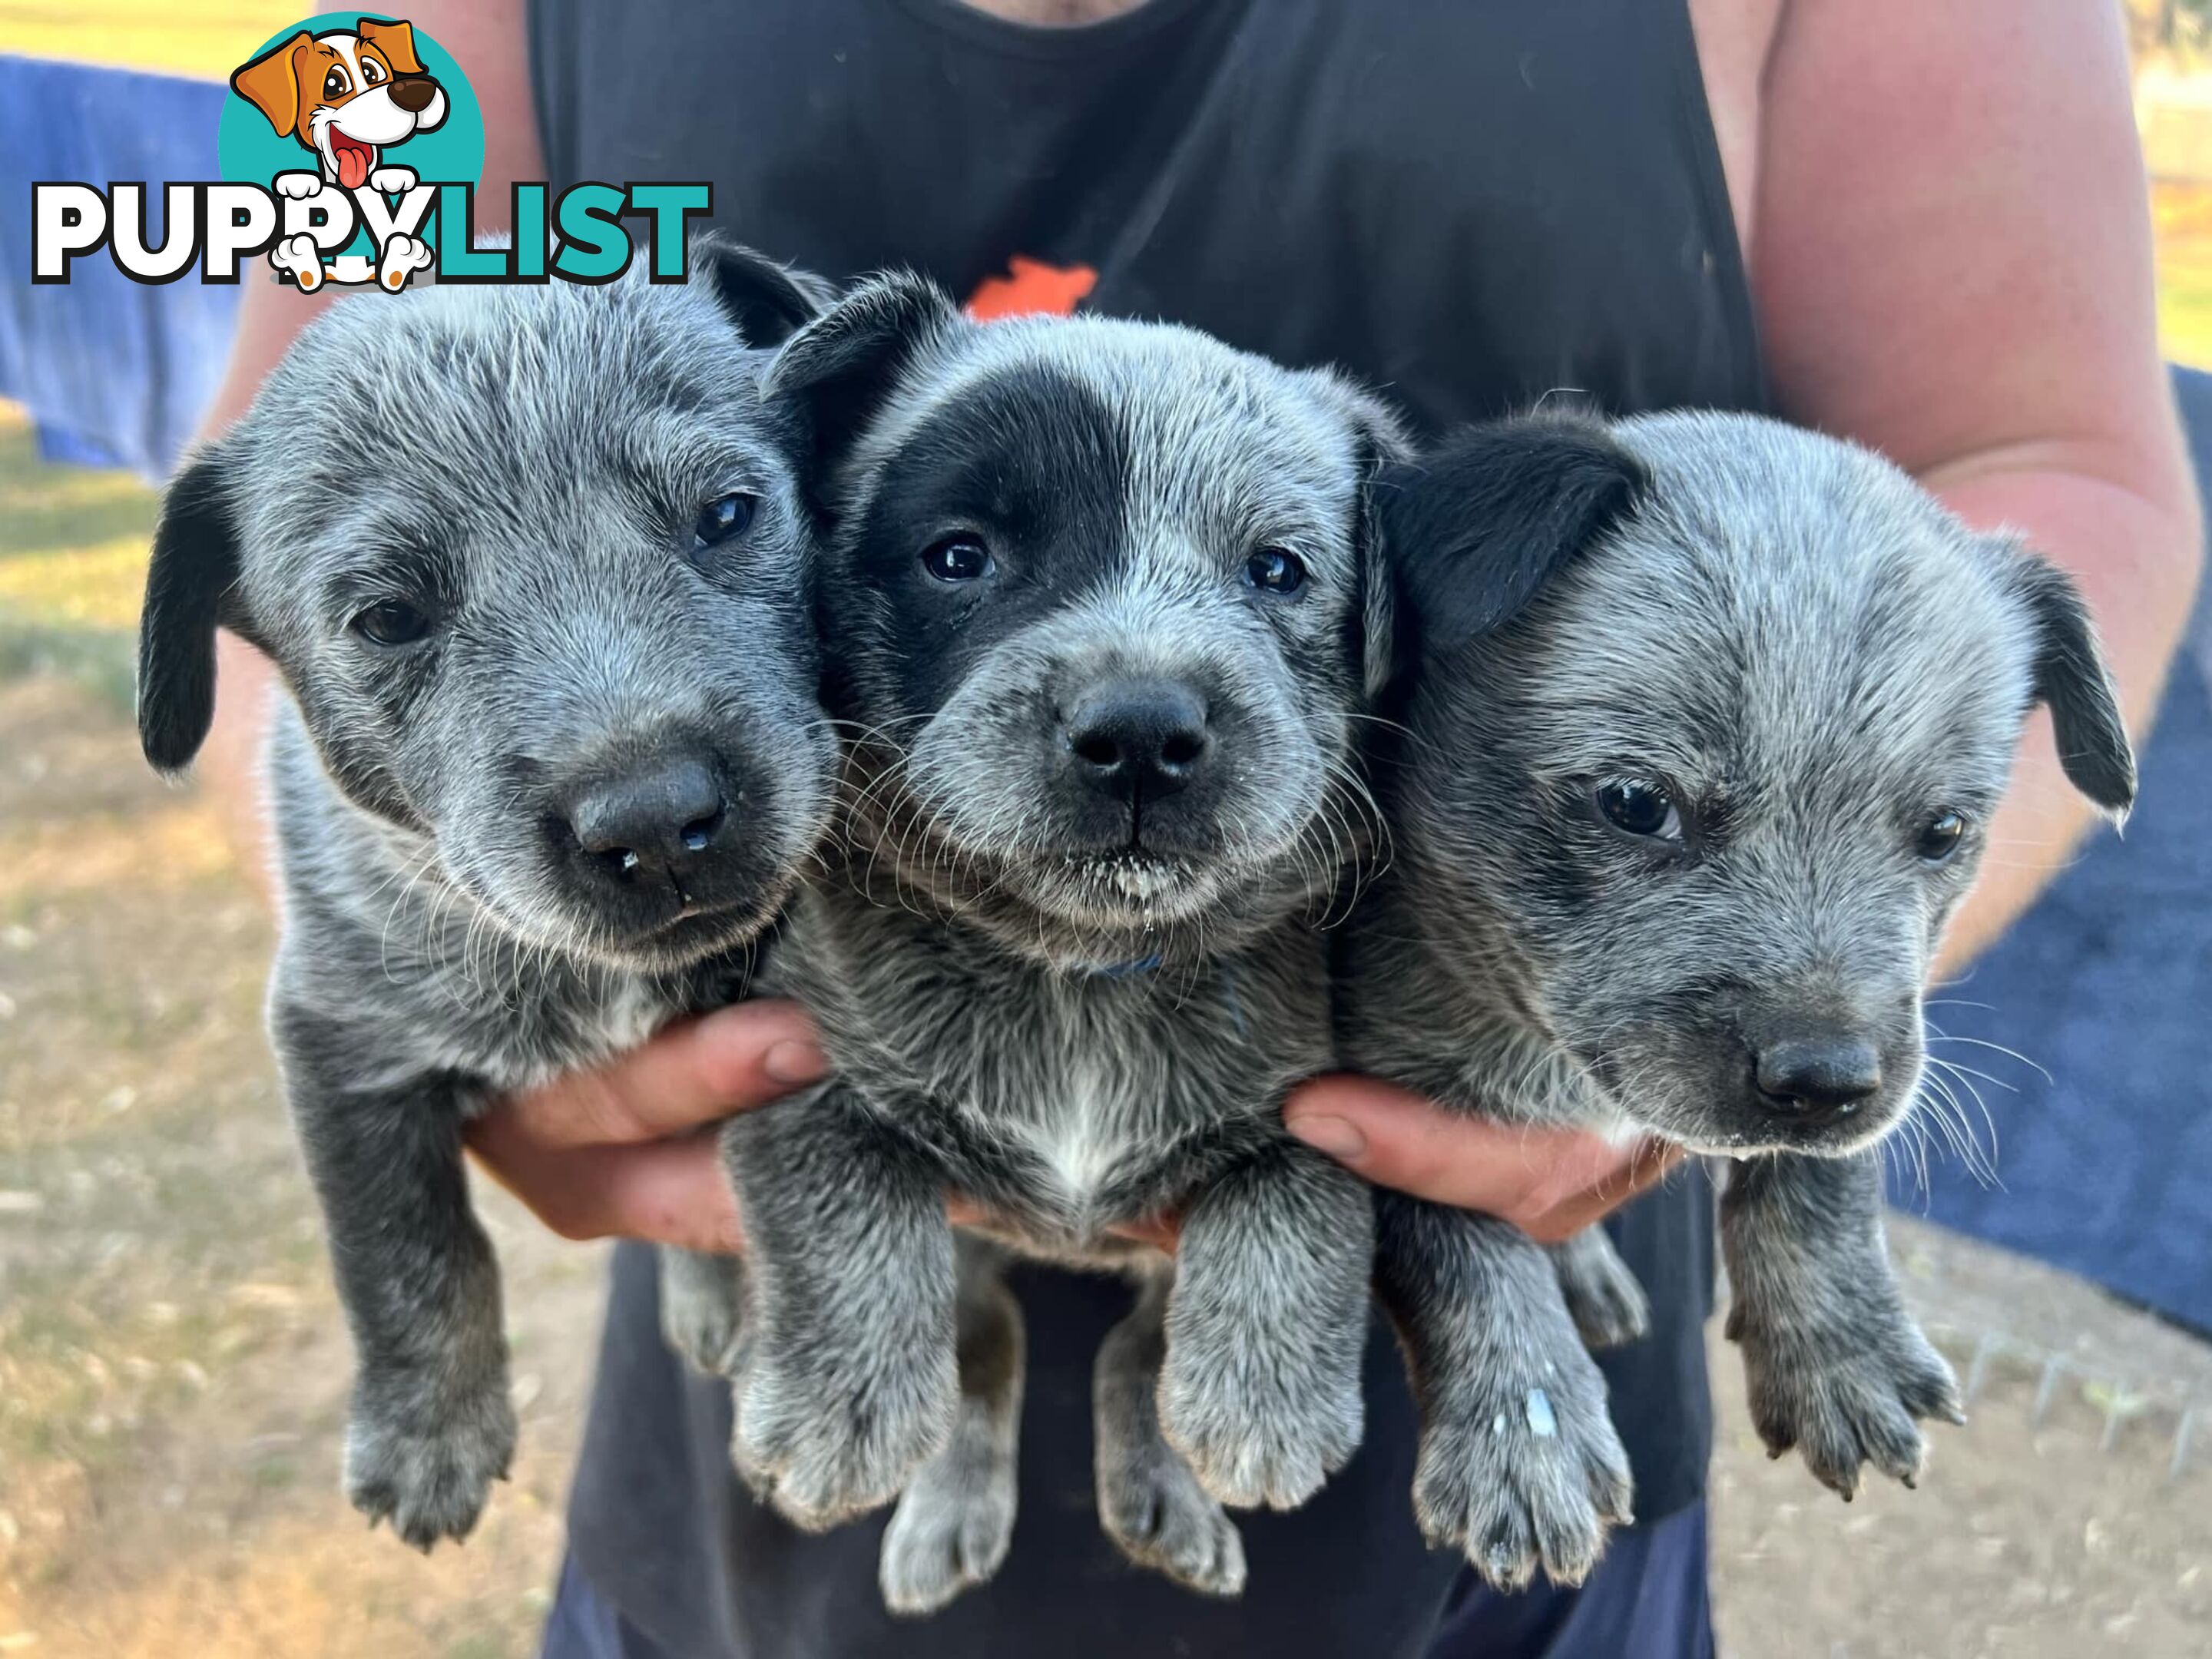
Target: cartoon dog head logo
{"x":347,"y":95}
{"x":390,"y":122}
{"x":397,"y":138}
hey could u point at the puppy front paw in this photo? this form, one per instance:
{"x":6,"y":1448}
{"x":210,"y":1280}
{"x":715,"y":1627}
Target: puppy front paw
{"x":391,"y":180}
{"x":1845,"y":1394}
{"x":299,"y":186}
{"x":837,"y":1437}
{"x":1261,"y":1433}
{"x":426,"y":1461}
{"x":1524,"y":1472}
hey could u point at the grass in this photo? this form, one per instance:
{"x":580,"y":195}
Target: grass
{"x":205,"y":39}
{"x":172,"y":1366}
{"x":73,"y":546}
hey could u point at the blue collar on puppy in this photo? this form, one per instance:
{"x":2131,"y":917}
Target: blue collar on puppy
{"x":1135,"y":969}
{"x":1232,"y":982}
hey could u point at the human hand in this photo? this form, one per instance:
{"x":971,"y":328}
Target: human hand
{"x":626,"y":1149}
{"x":1551,"y":1183}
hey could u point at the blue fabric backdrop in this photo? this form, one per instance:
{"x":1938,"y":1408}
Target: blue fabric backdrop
{"x":116,"y":373}
{"x":2104,"y":1167}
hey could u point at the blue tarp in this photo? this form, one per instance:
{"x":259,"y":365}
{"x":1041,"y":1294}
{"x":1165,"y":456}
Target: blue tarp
{"x":2104,"y":1166}
{"x":115,"y":372}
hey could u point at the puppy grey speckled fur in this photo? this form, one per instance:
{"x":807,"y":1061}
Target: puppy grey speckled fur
{"x":533,"y":564}
{"x":1674,"y":849}
{"x":1098,"y":591}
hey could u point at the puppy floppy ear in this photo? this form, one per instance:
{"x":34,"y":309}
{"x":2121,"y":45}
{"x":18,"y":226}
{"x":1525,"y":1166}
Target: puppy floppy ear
{"x":271,"y":82}
{"x":767,"y":302}
{"x":1472,"y":532}
{"x":1379,"y":442}
{"x":395,"y":40}
{"x":189,"y":590}
{"x":839,"y":368}
{"x":2072,"y":678}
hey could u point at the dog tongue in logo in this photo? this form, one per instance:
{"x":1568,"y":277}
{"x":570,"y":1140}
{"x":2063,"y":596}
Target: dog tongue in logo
{"x":354,"y":159}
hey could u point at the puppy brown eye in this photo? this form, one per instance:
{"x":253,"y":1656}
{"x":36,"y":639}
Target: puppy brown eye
{"x":1940,"y":836}
{"x":721,"y":519}
{"x":390,"y":622}
{"x":335,"y":84}
{"x":1639,"y":809}
{"x":371,"y":71}
{"x":1273,"y":570}
{"x":958,"y":559}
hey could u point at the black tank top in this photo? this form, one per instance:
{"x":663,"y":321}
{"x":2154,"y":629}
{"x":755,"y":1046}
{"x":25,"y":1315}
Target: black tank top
{"x":1469,"y":203}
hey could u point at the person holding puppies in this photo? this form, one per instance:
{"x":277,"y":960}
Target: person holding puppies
{"x":1923,"y":227}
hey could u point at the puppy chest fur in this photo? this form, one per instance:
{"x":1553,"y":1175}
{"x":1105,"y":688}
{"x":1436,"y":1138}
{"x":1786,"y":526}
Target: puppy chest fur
{"x":1063,"y":1102}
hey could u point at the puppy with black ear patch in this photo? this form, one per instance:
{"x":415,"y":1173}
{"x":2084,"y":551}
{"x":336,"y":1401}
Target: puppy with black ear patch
{"x":533,"y":565}
{"x":1675,"y":848}
{"x":1097,"y":593}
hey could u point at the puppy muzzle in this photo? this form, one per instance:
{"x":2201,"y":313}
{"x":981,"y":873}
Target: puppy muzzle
{"x":1818,"y":1088}
{"x":667,"y":853}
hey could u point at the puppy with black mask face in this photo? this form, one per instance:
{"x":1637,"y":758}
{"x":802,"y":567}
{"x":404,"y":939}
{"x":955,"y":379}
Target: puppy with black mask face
{"x":1674,"y":852}
{"x":534,"y":567}
{"x":1096,"y":592}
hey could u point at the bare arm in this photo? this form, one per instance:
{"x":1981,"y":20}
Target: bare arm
{"x":1952,"y":261}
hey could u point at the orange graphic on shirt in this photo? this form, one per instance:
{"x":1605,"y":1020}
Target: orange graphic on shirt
{"x":1031,"y":286}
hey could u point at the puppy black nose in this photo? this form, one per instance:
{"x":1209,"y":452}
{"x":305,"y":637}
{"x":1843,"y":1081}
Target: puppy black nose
{"x":413,"y":92}
{"x":1139,"y":737}
{"x":1820,"y":1073}
{"x":658,"y":820}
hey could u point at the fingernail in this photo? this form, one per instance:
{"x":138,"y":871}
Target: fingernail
{"x":795,"y":1061}
{"x":1339,"y":1136}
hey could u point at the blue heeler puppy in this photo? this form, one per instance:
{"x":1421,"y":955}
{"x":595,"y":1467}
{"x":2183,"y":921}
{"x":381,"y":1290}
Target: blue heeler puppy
{"x":1674,"y":848}
{"x":1098,"y":598}
{"x":534,"y":567}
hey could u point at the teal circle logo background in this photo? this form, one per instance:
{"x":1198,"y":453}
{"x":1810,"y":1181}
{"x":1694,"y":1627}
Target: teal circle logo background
{"x":249,"y":152}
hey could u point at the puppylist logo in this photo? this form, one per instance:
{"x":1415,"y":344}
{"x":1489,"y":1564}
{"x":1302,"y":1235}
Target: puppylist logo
{"x":345,"y":97}
{"x":349,"y":148}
